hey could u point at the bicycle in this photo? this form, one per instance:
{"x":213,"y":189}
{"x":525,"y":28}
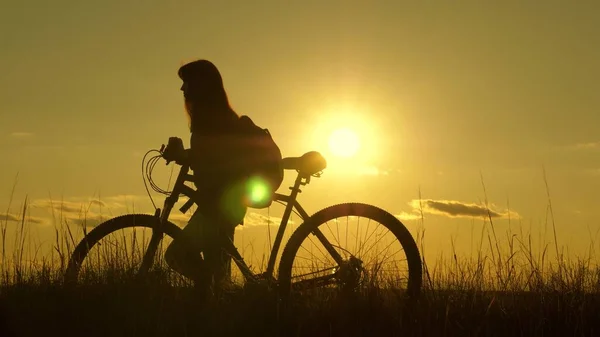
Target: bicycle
{"x":348,"y":271}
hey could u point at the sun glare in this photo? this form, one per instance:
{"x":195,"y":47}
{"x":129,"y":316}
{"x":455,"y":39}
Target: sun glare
{"x":344,"y":143}
{"x":347,"y":136}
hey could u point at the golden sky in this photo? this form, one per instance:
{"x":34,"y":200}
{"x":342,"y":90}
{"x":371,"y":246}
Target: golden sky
{"x":440,"y":92}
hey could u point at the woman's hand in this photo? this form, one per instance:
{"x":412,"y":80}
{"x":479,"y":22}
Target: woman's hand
{"x":174,"y":151}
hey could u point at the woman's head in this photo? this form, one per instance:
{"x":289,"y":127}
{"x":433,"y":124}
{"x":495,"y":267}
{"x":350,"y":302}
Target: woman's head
{"x":205,"y":98}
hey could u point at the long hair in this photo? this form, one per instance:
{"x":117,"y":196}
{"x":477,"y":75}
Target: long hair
{"x":206,"y":102}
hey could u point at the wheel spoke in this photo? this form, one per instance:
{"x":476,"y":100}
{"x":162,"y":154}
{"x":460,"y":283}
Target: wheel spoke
{"x":376,"y":242}
{"x":330,"y":231}
{"x":367,"y":239}
{"x":313,"y":245}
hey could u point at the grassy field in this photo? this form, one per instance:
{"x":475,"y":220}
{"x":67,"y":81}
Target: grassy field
{"x":507,"y":289}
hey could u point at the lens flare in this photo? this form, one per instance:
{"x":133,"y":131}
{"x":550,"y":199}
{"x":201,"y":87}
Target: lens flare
{"x":258,"y":191}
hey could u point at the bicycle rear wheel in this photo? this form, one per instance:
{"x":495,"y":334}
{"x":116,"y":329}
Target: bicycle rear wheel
{"x":364,"y":258}
{"x":117,"y":253}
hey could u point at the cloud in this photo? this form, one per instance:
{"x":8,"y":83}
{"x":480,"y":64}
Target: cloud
{"x":88,"y":220}
{"x":257,"y":219}
{"x":60,"y":206}
{"x":355,"y":169}
{"x":90,"y":212}
{"x":17,"y":218}
{"x":455,"y":209}
{"x":592,"y":172}
{"x":372,"y":171}
{"x":405,"y":216}
{"x":252,"y":219}
{"x":588,"y":146}
{"x":82,"y":204}
{"x":21,"y":134}
{"x":122,"y":200}
{"x":126,"y":197}
{"x":98,"y":203}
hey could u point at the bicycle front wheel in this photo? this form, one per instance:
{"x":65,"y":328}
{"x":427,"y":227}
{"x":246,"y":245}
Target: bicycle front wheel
{"x":116,"y":246}
{"x":351,"y":246}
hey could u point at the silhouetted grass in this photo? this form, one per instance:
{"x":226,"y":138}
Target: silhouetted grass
{"x":503,"y":290}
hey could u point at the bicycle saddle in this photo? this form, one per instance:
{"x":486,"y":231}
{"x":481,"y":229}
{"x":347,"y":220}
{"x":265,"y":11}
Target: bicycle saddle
{"x":308,"y":164}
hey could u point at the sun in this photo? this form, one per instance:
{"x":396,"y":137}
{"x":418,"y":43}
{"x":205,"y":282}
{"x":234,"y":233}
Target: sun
{"x":344,"y":143}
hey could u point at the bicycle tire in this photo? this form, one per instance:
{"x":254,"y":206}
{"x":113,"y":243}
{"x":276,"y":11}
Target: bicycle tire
{"x":108,"y":227}
{"x":352,"y":209}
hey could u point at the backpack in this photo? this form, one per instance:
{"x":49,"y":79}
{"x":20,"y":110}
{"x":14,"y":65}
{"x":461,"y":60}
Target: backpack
{"x":262,"y":158}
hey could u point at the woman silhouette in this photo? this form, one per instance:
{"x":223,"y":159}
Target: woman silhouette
{"x":214,"y":147}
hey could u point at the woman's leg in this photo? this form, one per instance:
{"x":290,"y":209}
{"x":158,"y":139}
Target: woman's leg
{"x":222,"y":273}
{"x":207,"y":231}
{"x":230,"y":213}
{"x":179,"y":257}
{"x":217,"y":261}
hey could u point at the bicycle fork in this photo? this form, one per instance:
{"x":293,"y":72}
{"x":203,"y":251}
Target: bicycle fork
{"x":157,"y":236}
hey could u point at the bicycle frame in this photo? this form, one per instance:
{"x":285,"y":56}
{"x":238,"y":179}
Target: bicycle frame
{"x":180,"y":188}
